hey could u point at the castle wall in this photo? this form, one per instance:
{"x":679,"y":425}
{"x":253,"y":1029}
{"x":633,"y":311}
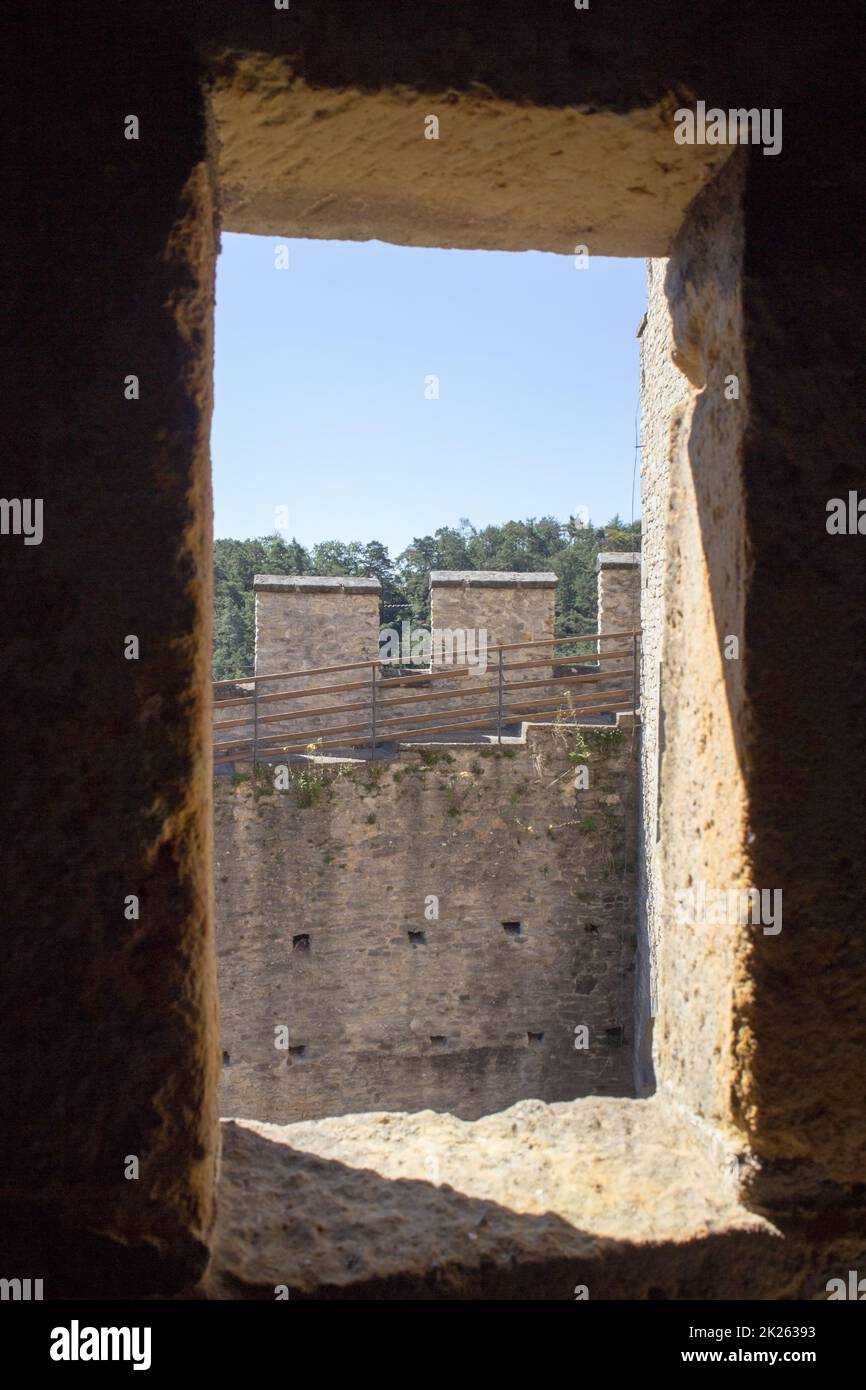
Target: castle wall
{"x":469,"y":1016}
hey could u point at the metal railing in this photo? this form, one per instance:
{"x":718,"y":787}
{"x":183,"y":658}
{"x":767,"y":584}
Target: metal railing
{"x":606,"y":683}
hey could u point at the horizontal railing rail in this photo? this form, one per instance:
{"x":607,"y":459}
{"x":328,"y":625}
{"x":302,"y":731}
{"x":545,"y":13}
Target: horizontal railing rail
{"x":609,"y":686}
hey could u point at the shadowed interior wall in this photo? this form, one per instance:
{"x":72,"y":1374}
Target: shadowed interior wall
{"x":755,"y":787}
{"x":108,"y":1028}
{"x":801,"y":1023}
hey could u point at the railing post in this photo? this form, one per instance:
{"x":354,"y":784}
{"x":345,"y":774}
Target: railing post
{"x":255,"y":721}
{"x":373,"y":709}
{"x":499,"y":701}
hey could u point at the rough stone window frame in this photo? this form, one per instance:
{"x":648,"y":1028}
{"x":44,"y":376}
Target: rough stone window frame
{"x":590,"y":161}
{"x":704,"y":1102}
{"x":253,"y":111}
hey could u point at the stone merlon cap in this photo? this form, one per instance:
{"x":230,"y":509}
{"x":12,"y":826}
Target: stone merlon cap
{"x":493,"y":579}
{"x":314,"y":584}
{"x":616,"y":560}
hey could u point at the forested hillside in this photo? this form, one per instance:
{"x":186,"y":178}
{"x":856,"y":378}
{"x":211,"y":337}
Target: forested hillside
{"x":568,"y":548}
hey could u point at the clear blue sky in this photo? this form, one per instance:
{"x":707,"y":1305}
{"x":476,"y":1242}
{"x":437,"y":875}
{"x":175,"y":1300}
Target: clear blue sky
{"x":320,"y":389}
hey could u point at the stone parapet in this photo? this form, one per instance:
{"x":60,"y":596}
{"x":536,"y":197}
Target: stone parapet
{"x":311,"y":621}
{"x":618,"y":575}
{"x":493,"y":607}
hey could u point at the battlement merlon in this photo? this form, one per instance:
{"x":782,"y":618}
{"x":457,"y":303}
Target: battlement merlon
{"x":312,"y":620}
{"x":503,"y":605}
{"x":619,"y":581}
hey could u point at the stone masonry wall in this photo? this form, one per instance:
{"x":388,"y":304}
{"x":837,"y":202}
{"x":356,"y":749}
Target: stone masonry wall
{"x":618,"y":612}
{"x":664,"y":396}
{"x":314,"y":621}
{"x":321,"y":893}
{"x":618,"y":598}
{"x":508,"y":607}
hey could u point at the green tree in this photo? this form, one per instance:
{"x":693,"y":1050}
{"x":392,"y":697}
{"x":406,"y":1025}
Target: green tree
{"x":235,"y":564}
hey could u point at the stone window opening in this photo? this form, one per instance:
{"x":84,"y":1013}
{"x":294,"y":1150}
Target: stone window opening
{"x":314,"y":621}
{"x":612,"y":1038}
{"x":737,"y":1073}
